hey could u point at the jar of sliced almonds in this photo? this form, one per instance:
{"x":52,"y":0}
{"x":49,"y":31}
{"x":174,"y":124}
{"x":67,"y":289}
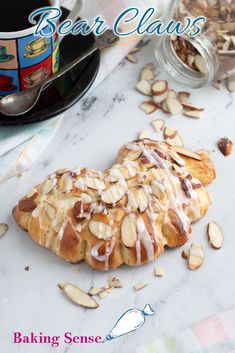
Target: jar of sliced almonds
{"x":207,"y":57}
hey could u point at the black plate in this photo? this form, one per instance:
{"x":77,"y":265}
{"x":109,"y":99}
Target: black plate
{"x":68,"y":89}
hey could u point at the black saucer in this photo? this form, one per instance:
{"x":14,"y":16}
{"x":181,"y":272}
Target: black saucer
{"x":68,"y":89}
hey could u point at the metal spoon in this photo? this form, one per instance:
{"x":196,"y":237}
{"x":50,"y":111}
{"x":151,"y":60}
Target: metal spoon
{"x":21,"y":102}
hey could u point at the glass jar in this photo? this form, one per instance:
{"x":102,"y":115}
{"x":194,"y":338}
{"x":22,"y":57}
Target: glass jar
{"x":207,"y":57}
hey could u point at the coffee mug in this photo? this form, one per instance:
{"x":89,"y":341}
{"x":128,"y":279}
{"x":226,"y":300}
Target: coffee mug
{"x":26,"y":59}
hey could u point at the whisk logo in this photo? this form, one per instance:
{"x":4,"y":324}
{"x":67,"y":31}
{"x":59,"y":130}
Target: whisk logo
{"x":130,"y":321}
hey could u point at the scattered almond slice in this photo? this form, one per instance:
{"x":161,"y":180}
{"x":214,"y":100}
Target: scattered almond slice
{"x":176,"y":141}
{"x":115,"y":282}
{"x":196,"y":256}
{"x":196,"y":114}
{"x":158,"y":125}
{"x":3,"y":229}
{"x":159,"y":91}
{"x":185,"y":254}
{"x":50,"y":210}
{"x":169,"y":133}
{"x":225,"y":146}
{"x":174,"y":105}
{"x":131,"y":58}
{"x":185,"y":152}
{"x":184,"y":97}
{"x":95,"y":291}
{"x":78,"y":296}
{"x":148,"y":107}
{"x":146,"y":74}
{"x":159,"y":271}
{"x":215,"y":235}
{"x":143,"y":134}
{"x":144,"y":87}
{"x":134,"y":50}
{"x":139,"y":286}
{"x":105,"y":292}
{"x":190,"y":106}
{"x":231,"y":84}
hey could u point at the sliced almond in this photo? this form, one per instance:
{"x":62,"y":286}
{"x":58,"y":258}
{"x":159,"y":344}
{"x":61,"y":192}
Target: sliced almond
{"x":114,"y":193}
{"x":105,"y":292}
{"x":148,"y":107}
{"x":176,"y":141}
{"x":65,"y":183}
{"x":158,"y":125}
{"x":133,"y":155}
{"x":189,"y":106}
{"x":174,"y":105}
{"x":50,"y":210}
{"x":200,"y":64}
{"x":48,"y":186}
{"x":134,"y":50}
{"x":158,"y":189}
{"x":129,"y":230}
{"x":78,"y":296}
{"x":225,"y":146}
{"x":139,"y":286}
{"x":165,"y":107}
{"x":185,"y":152}
{"x":196,"y":256}
{"x":115,"y":282}
{"x":3,"y":229}
{"x":95,"y":291}
{"x":94,"y":183}
{"x":143,"y":134}
{"x":184,"y":97}
{"x":171,"y":93}
{"x":159,"y":91}
{"x":159,"y":271}
{"x":185,"y":254}
{"x":101,"y":230}
{"x":231,"y":84}
{"x":196,"y":114}
{"x":169,"y":133}
{"x":146,"y":74}
{"x":137,"y":199}
{"x":215,"y":235}
{"x":144,"y":87}
{"x":131,"y":58}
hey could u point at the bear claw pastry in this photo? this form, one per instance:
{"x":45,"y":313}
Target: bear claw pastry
{"x":126,"y":214}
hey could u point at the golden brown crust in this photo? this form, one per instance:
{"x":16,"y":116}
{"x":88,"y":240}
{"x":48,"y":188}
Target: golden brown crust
{"x":126,"y":214}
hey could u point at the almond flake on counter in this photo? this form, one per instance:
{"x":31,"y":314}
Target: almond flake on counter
{"x":176,"y":141}
{"x":169,"y":133}
{"x":196,"y":256}
{"x":146,"y":74}
{"x":185,"y":254}
{"x":158,"y":125}
{"x":143,"y":134}
{"x":215,"y":235}
{"x":196,"y":114}
{"x":144,"y":87}
{"x":115,"y":282}
{"x":132,"y":58}
{"x":159,"y":271}
{"x":3,"y":229}
{"x":105,"y":292}
{"x":148,"y":107}
{"x":225,"y":146}
{"x":95,"y":291}
{"x":139,"y":286}
{"x":78,"y":296}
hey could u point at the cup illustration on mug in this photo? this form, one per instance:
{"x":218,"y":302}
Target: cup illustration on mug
{"x":6,"y":83}
{"x":36,"y":48}
{"x":35,"y":77}
{"x":4,"y":56}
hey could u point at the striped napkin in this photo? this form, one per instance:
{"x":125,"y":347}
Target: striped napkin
{"x":215,"y":334}
{"x":19,"y":146}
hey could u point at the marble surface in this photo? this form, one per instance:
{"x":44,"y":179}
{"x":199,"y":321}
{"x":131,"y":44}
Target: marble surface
{"x":91,"y":134}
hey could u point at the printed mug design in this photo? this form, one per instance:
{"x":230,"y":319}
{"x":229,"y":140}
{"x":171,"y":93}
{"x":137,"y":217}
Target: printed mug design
{"x":26,"y":61}
{"x":6,"y":83}
{"x":4,"y":56}
{"x":36,"y":48}
{"x":35,"y":77}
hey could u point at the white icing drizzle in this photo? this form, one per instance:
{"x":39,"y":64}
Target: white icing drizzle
{"x":194,"y":199}
{"x":103,"y":258}
{"x":144,"y":237}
